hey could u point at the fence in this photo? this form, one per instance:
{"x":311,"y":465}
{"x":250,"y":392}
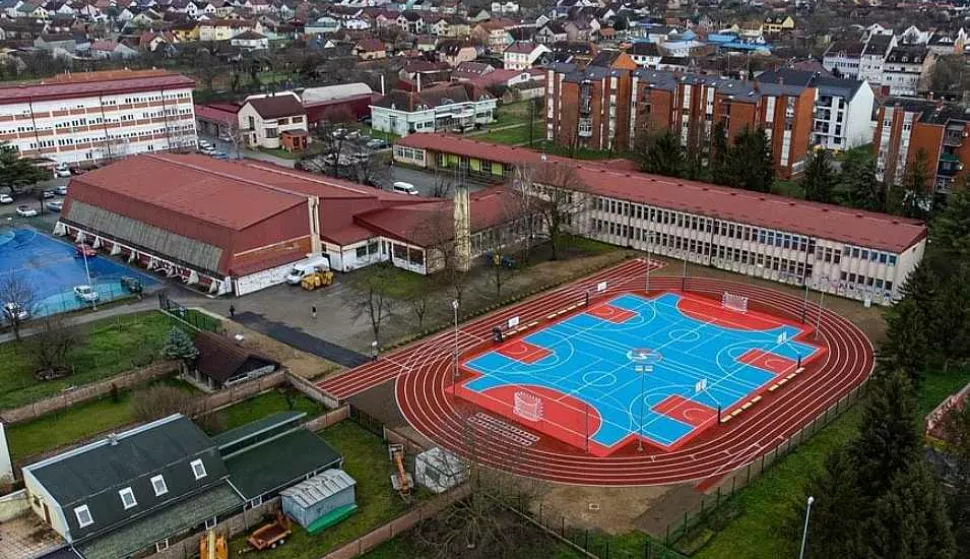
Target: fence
{"x":237,"y":392}
{"x":328,"y":419}
{"x":742,"y":477}
{"x":230,"y":527}
{"x":312,"y":391}
{"x":87,"y":392}
{"x":196,"y":319}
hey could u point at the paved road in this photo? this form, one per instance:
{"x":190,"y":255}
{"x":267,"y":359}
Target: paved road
{"x":424,"y":181}
{"x":302,"y":341}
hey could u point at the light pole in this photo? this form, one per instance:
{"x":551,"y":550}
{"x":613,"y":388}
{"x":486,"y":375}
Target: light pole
{"x":808,"y":512}
{"x":87,"y":272}
{"x":454,"y":377}
{"x":824,"y":284}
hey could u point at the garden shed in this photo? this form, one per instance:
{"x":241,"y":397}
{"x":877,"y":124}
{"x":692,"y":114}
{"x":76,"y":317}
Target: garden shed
{"x":321,"y":501}
{"x":439,"y":470}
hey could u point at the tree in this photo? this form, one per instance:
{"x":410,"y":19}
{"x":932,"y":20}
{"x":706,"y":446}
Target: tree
{"x":857,"y":181}
{"x":838,"y":510}
{"x":556,"y":194}
{"x":949,"y":75}
{"x":950,"y":233}
{"x":162,"y":401}
{"x":18,"y":300}
{"x":661,"y":154}
{"x":956,"y":426}
{"x":719,"y":153}
{"x":437,"y":234}
{"x":888,"y":442}
{"x":910,"y":198}
{"x":50,"y":347}
{"x":748,"y":164}
{"x":419,"y":301}
{"x":179,"y":345}
{"x":819,"y":179}
{"x":17,"y":173}
{"x":372,"y":288}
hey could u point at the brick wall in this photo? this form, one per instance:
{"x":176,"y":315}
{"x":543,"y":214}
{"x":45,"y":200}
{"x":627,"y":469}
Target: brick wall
{"x":328,"y":419}
{"x":87,"y":392}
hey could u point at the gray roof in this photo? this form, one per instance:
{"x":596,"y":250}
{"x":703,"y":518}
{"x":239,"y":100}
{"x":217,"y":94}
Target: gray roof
{"x":253,"y":429}
{"x":278,"y":462}
{"x":183,"y":516}
{"x":94,"y":474}
{"x":833,"y":87}
{"x":319,"y":487}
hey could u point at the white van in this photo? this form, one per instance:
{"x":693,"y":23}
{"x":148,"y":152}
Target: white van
{"x":306,"y":267}
{"x":404,"y":188}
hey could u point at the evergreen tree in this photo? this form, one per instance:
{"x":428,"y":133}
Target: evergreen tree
{"x":16,"y":172}
{"x":719,"y":153}
{"x":888,"y":441}
{"x":819,"y":179}
{"x":950,"y":233}
{"x":857,"y":180}
{"x":838,"y":511}
{"x":957,"y":429}
{"x":662,"y":154}
{"x":907,"y":346}
{"x":911,"y":198}
{"x":179,"y":346}
{"x":909,"y":521}
{"x":748,"y":164}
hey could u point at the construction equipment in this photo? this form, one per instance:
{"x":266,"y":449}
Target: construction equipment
{"x":271,"y":535}
{"x":213,"y":547}
{"x":319,"y":278}
{"x":401,"y":481}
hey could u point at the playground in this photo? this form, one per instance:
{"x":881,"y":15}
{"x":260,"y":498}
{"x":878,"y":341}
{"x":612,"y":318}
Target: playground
{"x":661,"y":369}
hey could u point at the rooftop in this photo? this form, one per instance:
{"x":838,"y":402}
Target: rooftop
{"x":279,"y":461}
{"x":867,"y":229}
{"x":277,"y":106}
{"x":91,"y":84}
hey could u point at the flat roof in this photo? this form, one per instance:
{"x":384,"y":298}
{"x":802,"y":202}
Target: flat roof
{"x":836,"y":223}
{"x":93,"y":84}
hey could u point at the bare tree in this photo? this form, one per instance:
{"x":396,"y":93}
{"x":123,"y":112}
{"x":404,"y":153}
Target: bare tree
{"x":331,"y":135}
{"x":18,"y":300}
{"x":552,"y":193}
{"x":437,"y":235}
{"x":442,"y":187}
{"x":161,"y":401}
{"x":372,"y":171}
{"x":373,"y":299}
{"x":51,"y":346}
{"x":419,"y":302}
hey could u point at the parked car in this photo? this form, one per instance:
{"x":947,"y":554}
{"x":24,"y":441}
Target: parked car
{"x":61,"y":190}
{"x":14,"y":311}
{"x":48,"y":194}
{"x":339,"y":133}
{"x":86,"y":293}
{"x":5,"y":199}
{"x":363,"y":139}
{"x":207,"y":150}
{"x":377,"y":144}
{"x":62,"y":171}
{"x":55,"y":205}
{"x":26,"y":211}
{"x":352,"y":135}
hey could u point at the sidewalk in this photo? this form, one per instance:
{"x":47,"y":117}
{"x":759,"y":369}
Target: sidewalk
{"x":260,"y":156}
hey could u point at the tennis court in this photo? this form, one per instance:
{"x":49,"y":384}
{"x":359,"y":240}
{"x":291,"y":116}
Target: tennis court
{"x":662,"y":369}
{"x":49,"y":267}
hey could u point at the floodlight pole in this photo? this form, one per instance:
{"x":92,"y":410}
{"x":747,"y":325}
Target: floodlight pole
{"x":87,"y":273}
{"x":808,"y":512}
{"x":821,"y":307}
{"x":642,"y":370}
{"x":805,"y":300}
{"x":454,"y":376}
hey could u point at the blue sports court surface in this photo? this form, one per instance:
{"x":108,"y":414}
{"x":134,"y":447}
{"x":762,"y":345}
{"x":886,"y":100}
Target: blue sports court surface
{"x":663,"y":368}
{"x":50,"y":269}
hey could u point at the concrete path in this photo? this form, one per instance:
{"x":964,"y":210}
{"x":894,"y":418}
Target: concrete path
{"x":301,"y":340}
{"x":149,"y":303}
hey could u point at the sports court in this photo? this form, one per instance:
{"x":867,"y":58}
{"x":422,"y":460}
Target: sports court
{"x":662,"y":368}
{"x":49,"y":267}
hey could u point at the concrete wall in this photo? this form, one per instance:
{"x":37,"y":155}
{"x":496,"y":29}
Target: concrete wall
{"x":13,"y":505}
{"x":243,"y":522}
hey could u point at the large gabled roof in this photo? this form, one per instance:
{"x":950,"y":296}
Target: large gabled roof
{"x":93,"y":84}
{"x":278,"y":462}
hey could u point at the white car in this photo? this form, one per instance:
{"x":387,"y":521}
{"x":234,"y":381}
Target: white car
{"x":204,"y":144}
{"x":61,"y":190}
{"x":62,"y":171}
{"x":55,"y":205}
{"x":15,"y":311}
{"x":47,"y":194}
{"x":5,"y":199}
{"x":86,"y":293}
{"x":26,"y":211}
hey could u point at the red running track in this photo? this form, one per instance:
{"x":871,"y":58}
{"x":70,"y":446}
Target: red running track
{"x":424,"y":372}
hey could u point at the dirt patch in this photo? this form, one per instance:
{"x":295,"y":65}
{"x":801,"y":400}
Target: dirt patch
{"x":299,"y":363}
{"x":614,"y":510}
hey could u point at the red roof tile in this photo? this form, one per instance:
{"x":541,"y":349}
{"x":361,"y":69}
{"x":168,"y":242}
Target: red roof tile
{"x":867,"y":229}
{"x":98,"y":83}
{"x":216,"y":114}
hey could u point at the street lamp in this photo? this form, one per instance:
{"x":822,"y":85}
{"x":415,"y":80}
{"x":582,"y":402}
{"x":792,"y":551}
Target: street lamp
{"x":87,"y":273}
{"x":808,"y":511}
{"x":454,"y":377}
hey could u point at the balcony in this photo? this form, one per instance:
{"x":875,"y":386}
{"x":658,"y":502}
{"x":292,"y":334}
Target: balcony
{"x":949,"y":165}
{"x":585,"y":127}
{"x":953,"y":137}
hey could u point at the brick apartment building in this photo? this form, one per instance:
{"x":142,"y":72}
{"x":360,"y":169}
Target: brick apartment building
{"x":904,"y":126}
{"x":610,"y":103}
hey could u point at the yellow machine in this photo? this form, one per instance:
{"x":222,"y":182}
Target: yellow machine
{"x":212,"y":546}
{"x":317,"y":279}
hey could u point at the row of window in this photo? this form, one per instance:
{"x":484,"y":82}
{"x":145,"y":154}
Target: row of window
{"x":127,"y":496}
{"x":859,"y":279}
{"x":368,"y":249}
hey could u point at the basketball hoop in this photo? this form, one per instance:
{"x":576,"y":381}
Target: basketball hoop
{"x":527,"y":406}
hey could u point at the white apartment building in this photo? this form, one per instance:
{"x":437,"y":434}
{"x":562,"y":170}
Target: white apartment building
{"x":874,"y":56}
{"x":842,"y":116}
{"x":82,"y":119}
{"x":522,"y":55}
{"x":905,"y":68}
{"x":438,"y":109}
{"x":843,"y":57}
{"x":274,"y":121}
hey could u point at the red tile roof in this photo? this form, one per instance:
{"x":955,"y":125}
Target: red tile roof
{"x":216,"y":114}
{"x":867,"y":229}
{"x":94,"y":84}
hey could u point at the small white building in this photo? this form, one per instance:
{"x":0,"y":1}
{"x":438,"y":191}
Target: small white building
{"x":438,"y":470}
{"x":522,"y":55}
{"x":444,"y":108}
{"x":264,"y":119}
{"x":250,"y":40}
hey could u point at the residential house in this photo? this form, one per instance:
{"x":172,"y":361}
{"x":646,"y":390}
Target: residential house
{"x":522,"y":55}
{"x":185,"y":31}
{"x":274,"y":121}
{"x":441,"y":108}
{"x":225,"y":29}
{"x":873,"y":58}
{"x":325,"y":25}
{"x":250,"y":40}
{"x":944,"y":43}
{"x":105,"y":49}
{"x":470,"y":70}
{"x":573,"y":52}
{"x":905,"y":69}
{"x":411,"y":22}
{"x":494,"y":34}
{"x":370,"y":49}
{"x":842,"y":58}
{"x":454,"y":52}
{"x":552,"y":32}
{"x":478,"y":15}
{"x":508,"y":7}
{"x":778,"y":24}
{"x":581,"y":29}
{"x":645,"y":55}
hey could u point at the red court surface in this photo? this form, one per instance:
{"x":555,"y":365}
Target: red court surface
{"x":423,"y":376}
{"x":523,"y":351}
{"x":771,"y":362}
{"x":682,"y":409}
{"x":611,"y":313}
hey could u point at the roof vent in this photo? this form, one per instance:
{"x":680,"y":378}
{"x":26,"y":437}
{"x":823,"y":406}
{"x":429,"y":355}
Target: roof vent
{"x":858,"y":215}
{"x":895,"y":222}
{"x":792,"y":204}
{"x":762,"y":198}
{"x":825,"y":210}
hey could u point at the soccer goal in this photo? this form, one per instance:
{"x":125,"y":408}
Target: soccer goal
{"x":528,"y":406}
{"x":734,"y":302}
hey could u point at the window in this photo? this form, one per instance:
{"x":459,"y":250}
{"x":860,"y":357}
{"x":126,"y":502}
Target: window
{"x":211,"y":523}
{"x":892,"y":260}
{"x":198,"y":468}
{"x":158,"y":484}
{"x":162,"y":545}
{"x":83,"y":516}
{"x":127,"y":498}
{"x":882,"y":257}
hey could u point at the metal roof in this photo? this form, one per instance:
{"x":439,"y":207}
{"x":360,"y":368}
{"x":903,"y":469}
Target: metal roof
{"x":249,"y":430}
{"x":279,"y":461}
{"x":333,"y":92}
{"x":94,"y":84}
{"x":319,"y":487}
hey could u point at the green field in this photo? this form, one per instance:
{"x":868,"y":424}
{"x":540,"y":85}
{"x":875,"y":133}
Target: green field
{"x":265,"y":404}
{"x":513,"y":136}
{"x":108,"y":347}
{"x":365,"y":459}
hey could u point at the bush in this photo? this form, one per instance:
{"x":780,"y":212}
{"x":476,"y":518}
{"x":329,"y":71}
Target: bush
{"x":162,"y":401}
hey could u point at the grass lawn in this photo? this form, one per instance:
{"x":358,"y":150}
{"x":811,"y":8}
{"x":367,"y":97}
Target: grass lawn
{"x":587,"y":246}
{"x":265,"y":404}
{"x":544,"y":547}
{"x":365,"y":459}
{"x":74,"y":424}
{"x":937,"y":386}
{"x":109,"y":347}
{"x":582,"y":153}
{"x":512,"y":136}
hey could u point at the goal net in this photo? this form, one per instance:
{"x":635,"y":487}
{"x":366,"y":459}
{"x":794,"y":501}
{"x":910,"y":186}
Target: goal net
{"x":734,"y":302}
{"x":527,"y":406}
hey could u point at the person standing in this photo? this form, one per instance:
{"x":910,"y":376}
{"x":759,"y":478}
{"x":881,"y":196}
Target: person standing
{"x":232,"y":311}
{"x":313,"y":312}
